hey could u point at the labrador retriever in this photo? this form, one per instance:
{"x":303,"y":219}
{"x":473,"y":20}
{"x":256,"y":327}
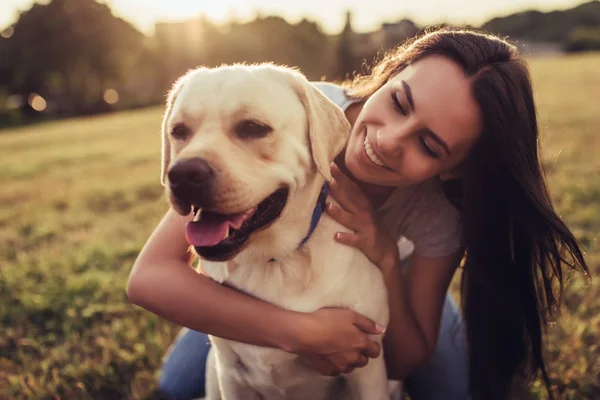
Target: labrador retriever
{"x":247,"y":149}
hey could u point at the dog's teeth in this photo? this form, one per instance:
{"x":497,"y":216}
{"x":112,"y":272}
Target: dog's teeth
{"x":198,"y":215}
{"x":226,"y":233}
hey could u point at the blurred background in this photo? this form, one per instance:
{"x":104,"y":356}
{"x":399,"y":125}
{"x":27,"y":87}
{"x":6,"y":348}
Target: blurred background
{"x":65,"y":58}
{"x":82,"y":86}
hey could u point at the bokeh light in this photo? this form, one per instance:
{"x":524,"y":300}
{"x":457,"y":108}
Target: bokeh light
{"x":7,"y":33}
{"x":37,"y":102}
{"x":111,"y":96}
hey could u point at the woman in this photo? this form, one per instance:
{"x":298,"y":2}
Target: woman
{"x":444,"y":136}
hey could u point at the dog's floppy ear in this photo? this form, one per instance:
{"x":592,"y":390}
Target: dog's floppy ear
{"x":327,"y":124}
{"x":166,"y":142}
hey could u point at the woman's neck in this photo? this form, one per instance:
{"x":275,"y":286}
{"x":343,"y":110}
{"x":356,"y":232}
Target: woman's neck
{"x":376,"y":194}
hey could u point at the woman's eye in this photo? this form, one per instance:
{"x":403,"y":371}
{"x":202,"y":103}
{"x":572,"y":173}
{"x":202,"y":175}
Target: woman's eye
{"x":427,"y":149}
{"x":397,"y":104}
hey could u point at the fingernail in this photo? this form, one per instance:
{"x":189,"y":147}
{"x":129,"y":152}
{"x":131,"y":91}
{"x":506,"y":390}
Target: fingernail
{"x":329,"y":205}
{"x":380,"y":328}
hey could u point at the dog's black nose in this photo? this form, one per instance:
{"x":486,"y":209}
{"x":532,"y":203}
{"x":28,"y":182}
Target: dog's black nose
{"x":190,"y":172}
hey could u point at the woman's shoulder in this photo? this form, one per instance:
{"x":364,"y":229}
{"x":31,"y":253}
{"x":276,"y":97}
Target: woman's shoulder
{"x":335,"y":93}
{"x":426,"y":217}
{"x":428,"y":195}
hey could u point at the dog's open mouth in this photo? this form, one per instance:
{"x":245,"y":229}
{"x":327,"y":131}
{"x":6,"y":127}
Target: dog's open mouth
{"x":218,"y":237}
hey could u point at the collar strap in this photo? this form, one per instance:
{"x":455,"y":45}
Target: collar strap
{"x":317,"y":212}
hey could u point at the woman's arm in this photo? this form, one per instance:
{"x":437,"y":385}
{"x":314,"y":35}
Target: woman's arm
{"x":163,"y":282}
{"x":416,"y":297}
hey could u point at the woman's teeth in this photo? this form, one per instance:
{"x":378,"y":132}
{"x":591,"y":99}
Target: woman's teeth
{"x":372,"y":155}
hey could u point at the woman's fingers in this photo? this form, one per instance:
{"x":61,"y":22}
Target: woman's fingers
{"x":372,"y":349}
{"x":362,"y":361}
{"x":344,"y":180}
{"x":342,"y":196}
{"x":367,"y":325}
{"x":349,"y":239}
{"x":349,"y":369}
{"x":350,"y":221}
{"x":343,"y":217}
{"x":347,"y":362}
{"x":346,"y":192}
{"x":321,"y":364}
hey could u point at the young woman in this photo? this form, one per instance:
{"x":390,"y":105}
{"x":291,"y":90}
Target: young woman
{"x":444,"y":152}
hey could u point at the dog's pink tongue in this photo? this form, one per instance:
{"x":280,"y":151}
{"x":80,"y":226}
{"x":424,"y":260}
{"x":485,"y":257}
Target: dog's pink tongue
{"x":211,"y":228}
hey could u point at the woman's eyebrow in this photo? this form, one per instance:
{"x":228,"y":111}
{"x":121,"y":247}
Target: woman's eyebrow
{"x":409,"y":96}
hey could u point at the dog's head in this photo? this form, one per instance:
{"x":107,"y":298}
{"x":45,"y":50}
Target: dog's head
{"x":237,"y":142}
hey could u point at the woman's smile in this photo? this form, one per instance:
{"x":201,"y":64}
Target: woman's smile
{"x":368,"y":156}
{"x":371,"y":154}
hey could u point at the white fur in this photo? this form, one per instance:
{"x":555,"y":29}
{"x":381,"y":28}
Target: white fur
{"x":308,"y":131}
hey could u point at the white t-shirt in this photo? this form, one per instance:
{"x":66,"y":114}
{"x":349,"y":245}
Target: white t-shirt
{"x":420,"y":213}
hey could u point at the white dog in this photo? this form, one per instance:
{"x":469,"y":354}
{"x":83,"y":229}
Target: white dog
{"x":248,"y":150}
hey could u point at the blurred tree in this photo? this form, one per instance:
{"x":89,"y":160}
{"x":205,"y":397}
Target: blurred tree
{"x":346,"y":62}
{"x":554,"y":26}
{"x":69,"y":51}
{"x":583,"y":39}
{"x":267,"y":39}
{"x":313,"y":49}
{"x":396,"y":33}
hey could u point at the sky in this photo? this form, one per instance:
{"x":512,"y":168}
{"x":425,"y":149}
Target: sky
{"x":367,"y":14}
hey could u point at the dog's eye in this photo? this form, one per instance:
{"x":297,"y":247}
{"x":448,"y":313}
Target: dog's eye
{"x":252,"y":129}
{"x":180,"y":131}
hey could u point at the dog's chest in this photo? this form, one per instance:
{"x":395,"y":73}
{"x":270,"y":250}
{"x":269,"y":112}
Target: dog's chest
{"x":275,"y":374}
{"x":289,"y":284}
{"x":321,"y":274}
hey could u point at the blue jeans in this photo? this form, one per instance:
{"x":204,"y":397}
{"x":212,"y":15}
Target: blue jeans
{"x":444,"y":377}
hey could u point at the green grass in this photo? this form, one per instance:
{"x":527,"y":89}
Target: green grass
{"x":80,"y":197}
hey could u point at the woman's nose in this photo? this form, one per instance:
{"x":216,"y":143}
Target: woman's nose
{"x":390,"y":142}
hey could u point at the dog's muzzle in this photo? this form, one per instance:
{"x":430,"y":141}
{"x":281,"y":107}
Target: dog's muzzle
{"x":214,"y":235}
{"x":191,"y":181}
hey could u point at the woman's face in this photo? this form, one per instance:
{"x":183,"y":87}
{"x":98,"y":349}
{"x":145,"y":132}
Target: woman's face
{"x":422,"y":123}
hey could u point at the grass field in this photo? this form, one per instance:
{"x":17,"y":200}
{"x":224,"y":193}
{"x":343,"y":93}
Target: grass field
{"x":78,"y":199}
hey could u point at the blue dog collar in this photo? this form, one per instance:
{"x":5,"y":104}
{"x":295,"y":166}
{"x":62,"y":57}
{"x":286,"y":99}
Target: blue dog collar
{"x":317,"y":212}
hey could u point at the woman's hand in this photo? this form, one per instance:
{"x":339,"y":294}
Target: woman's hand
{"x":335,"y":364}
{"x":335,"y":340}
{"x":355,"y":212}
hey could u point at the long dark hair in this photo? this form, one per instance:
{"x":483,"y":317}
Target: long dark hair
{"x":516,"y":245}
